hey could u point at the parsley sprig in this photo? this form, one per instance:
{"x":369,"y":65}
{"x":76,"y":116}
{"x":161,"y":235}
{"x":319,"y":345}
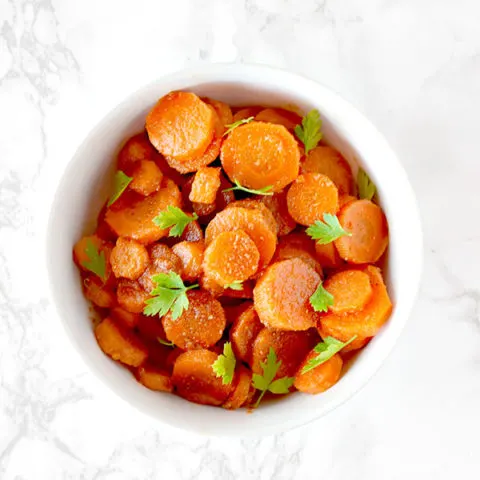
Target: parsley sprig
{"x":309,"y":132}
{"x":321,"y":299}
{"x":326,"y":231}
{"x":366,"y":188}
{"x":261,"y":191}
{"x":234,"y":125}
{"x":224,"y":365}
{"x":120,"y":183}
{"x":176,"y":218}
{"x":96,"y":260}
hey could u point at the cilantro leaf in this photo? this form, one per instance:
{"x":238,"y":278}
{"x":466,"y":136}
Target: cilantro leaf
{"x":224,"y":365}
{"x":120,"y":183}
{"x":366,"y":188}
{"x":236,"y":285}
{"x":309,"y":132}
{"x":261,"y":191}
{"x":321,"y":299}
{"x":174,"y":217}
{"x":326,"y":231}
{"x":170,"y":293}
{"x":234,"y":125}
{"x":96,"y":260}
{"x":165,"y":342}
{"x":265,"y":382}
{"x":326,"y":350}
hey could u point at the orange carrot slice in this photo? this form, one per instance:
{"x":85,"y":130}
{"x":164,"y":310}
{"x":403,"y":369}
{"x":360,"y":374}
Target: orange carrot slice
{"x":254,"y":204}
{"x":244,"y":330}
{"x":136,"y":149}
{"x":163,"y":260}
{"x":320,"y":378}
{"x":131,"y":296}
{"x":205,"y":185}
{"x":277,"y":204}
{"x":191,"y":256}
{"x":98,"y":293}
{"x":146,"y":178}
{"x":128,"y":259}
{"x":154,"y":378}
{"x":223,"y":110}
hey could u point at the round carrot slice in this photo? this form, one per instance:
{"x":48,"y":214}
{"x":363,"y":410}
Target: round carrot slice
{"x":163,"y":260}
{"x":195,"y":380}
{"x":251,"y":222}
{"x":146,"y":178}
{"x":329,"y":162}
{"x":351,"y":290}
{"x":231,"y":257}
{"x":369,"y":232}
{"x":136,"y":149}
{"x":201,"y":325}
{"x":328,"y":255}
{"x":244,"y":330}
{"x":246,"y":112}
{"x":239,"y":395}
{"x":310,"y":196}
{"x":223,"y":111}
{"x":128,"y":259}
{"x":281,"y":295}
{"x":260,"y":154}
{"x":279,"y":116}
{"x":191,"y":256}
{"x":320,"y":378}
{"x":206,"y":183}
{"x":277,"y":204}
{"x":181,"y":126}
{"x":253,"y":204}
{"x":131,"y":296}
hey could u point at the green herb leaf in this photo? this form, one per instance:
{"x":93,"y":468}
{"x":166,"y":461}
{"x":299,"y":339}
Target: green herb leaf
{"x":165,"y":342}
{"x":96,"y":260}
{"x":224,"y":365}
{"x":236,"y":285}
{"x":326,"y":231}
{"x":234,"y":125}
{"x":265,"y":382}
{"x":120,"y":183}
{"x":366,"y":188}
{"x":321,"y":299}
{"x":170,"y":293}
{"x":261,"y":191}
{"x":326,"y":350}
{"x":174,"y":217}
{"x":309,"y":132}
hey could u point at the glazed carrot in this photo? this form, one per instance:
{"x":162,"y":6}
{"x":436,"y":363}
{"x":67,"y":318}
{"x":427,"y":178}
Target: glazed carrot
{"x":163,"y":260}
{"x":258,"y":155}
{"x":207,"y":211}
{"x":131,"y":296}
{"x":210,"y":285}
{"x":80,"y":249}
{"x":351,"y":290}
{"x":345,"y":199}
{"x":369,"y":232}
{"x":195,"y":380}
{"x":320,"y":378}
{"x":310,"y":196}
{"x":97,"y":292}
{"x":119,"y":343}
{"x":244,"y":330}
{"x":201,"y":325}
{"x":128,"y":259}
{"x":279,"y":116}
{"x":192,"y":233}
{"x":191,"y":256}
{"x":136,"y":149}
{"x":277,"y":204}
{"x":328,"y":256}
{"x":281,"y":295}
{"x":147,"y":178}
{"x":329,"y":162}
{"x":231,"y":257}
{"x":205,"y":185}
{"x":253,"y":204}
{"x":154,"y":378}
{"x":246,"y":112}
{"x":223,"y":111}
{"x":239,"y":395}
{"x":128,"y":319}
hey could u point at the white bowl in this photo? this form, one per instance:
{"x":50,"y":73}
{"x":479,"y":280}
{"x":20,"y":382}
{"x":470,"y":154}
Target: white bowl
{"x":87,"y":180}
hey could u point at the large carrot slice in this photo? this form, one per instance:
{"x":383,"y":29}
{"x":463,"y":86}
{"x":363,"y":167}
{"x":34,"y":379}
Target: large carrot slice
{"x":244,"y":330}
{"x":191,"y":256}
{"x":205,"y":185}
{"x":239,"y":395}
{"x":128,"y":259}
{"x":277,"y":204}
{"x":146,"y":178}
{"x":163,"y":260}
{"x":281,"y":295}
{"x":310,"y":196}
{"x":154,"y":378}
{"x":369,"y":232}
{"x":279,"y":116}
{"x":260,"y":154}
{"x":321,"y":378}
{"x":254,"y":204}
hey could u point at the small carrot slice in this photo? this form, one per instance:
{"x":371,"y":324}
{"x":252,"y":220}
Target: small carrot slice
{"x":328,"y":255}
{"x":195,"y":380}
{"x":329,"y":162}
{"x":146,"y":178}
{"x":201,"y":325}
{"x":205,"y":185}
{"x":279,"y":116}
{"x":191,"y":256}
{"x":281,"y":295}
{"x":239,"y":395}
{"x":222,"y":109}
{"x":320,"y":378}
{"x":254,"y":204}
{"x":210,"y":285}
{"x":246,"y":112}
{"x":126,"y":318}
{"x":369,"y":232}
{"x":131,"y":296}
{"x":154,"y":378}
{"x":98,"y":293}
{"x":277,"y":204}
{"x":136,"y":149}
{"x":128,"y":259}
{"x":310,"y":196}
{"x":192,"y":233}
{"x":244,"y":330}
{"x":163,"y":260}
{"x":259,"y":155}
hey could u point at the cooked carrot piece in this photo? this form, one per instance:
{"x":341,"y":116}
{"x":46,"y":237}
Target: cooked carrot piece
{"x":320,"y":378}
{"x":253,"y":204}
{"x":201,"y":325}
{"x":239,"y":395}
{"x":345,"y":199}
{"x":193,"y":232}
{"x":251,"y":222}
{"x":126,"y":318}
{"x":195,"y":380}
{"x":191,"y":256}
{"x":277,"y":204}
{"x":363,"y":323}
{"x":310,"y":196}
{"x":128,"y":259}
{"x":369,"y":232}
{"x":154,"y":378}
{"x":246,"y":112}
{"x":351,"y":290}
{"x":163,"y":260}
{"x":279,"y":116}
{"x":232,"y":312}
{"x":245,"y":292}
{"x":244,"y":330}
{"x":223,"y":110}
{"x":210,"y":285}
{"x":291,"y":348}
{"x":281,"y":295}
{"x":136,"y":149}
{"x":259,"y":155}
{"x":80,"y":249}
{"x":329,"y":162}
{"x":231,"y":257}
{"x":131,"y":296}
{"x":205,"y":185}
{"x":328,"y":256}
{"x":181,"y":126}
{"x":99,"y":294}
{"x":119,"y":343}
{"x":151,"y":328}
{"x":146,"y":178}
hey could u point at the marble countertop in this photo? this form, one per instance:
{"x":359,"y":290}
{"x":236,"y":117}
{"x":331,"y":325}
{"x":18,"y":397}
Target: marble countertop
{"x":413,"y":67}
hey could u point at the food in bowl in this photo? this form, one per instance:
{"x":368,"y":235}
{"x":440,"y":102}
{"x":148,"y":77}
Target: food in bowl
{"x":236,"y":257}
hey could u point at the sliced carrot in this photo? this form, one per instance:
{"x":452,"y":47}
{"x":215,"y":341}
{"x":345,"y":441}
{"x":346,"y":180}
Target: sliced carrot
{"x":210,"y":285}
{"x":119,"y":343}
{"x":328,"y":255}
{"x":259,"y":155}
{"x":363,"y":323}
{"x":146,"y":178}
{"x":128,"y":259}
{"x":154,"y":378}
{"x":279,"y":116}
{"x":281,"y":295}
{"x":191,"y":256}
{"x":239,"y":395}
{"x":195,"y":380}
{"x":163,"y":260}
{"x":277,"y":204}
{"x":201,"y":325}
{"x":254,"y":204}
{"x":136,"y":149}
{"x":192,"y":233}
{"x":126,"y":318}
{"x":320,"y":378}
{"x":244,"y":330}
{"x":310,"y":196}
{"x":205,"y":185}
{"x":246,"y":112}
{"x":131,"y":296}
{"x":329,"y":162}
{"x":232,"y":312}
{"x":223,"y":110}
{"x":369,"y":232}
{"x":98,"y":293}
{"x":345,"y":199}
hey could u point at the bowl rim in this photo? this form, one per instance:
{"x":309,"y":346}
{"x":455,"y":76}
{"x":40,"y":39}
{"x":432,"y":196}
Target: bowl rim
{"x":232,"y":71}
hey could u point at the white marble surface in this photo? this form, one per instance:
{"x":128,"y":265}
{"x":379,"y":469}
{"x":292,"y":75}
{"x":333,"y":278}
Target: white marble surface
{"x":412,"y":66}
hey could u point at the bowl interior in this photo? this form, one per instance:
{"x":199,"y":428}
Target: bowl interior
{"x":87,"y":181}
